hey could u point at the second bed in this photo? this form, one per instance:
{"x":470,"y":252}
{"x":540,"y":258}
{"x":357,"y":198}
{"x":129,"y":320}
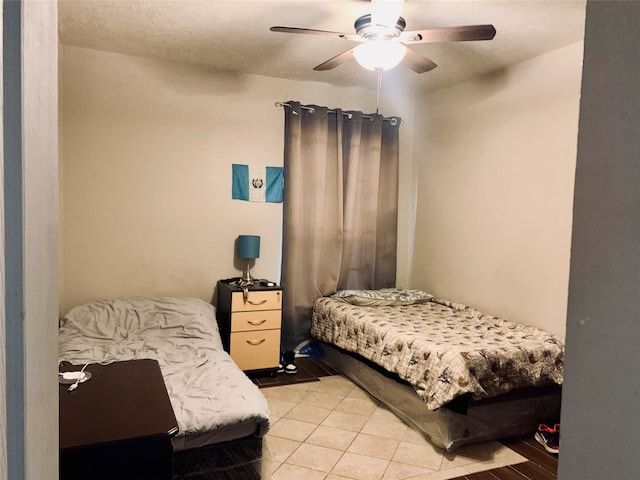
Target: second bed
{"x":221,"y":413}
{"x":454,"y":373}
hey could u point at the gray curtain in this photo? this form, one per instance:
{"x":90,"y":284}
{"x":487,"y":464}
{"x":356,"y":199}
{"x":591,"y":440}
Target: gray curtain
{"x":340,"y":208}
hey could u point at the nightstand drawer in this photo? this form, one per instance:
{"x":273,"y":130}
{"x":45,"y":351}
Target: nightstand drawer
{"x":257,"y":300}
{"x":259,"y":320}
{"x":255,"y":350}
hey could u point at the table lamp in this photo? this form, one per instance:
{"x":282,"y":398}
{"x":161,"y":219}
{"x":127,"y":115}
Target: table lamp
{"x":248,"y":248}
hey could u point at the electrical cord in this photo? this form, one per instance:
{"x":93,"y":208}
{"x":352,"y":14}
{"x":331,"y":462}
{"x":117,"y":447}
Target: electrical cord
{"x":81,"y":376}
{"x":74,"y":385}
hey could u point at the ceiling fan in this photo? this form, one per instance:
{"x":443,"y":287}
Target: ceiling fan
{"x":383,"y":41}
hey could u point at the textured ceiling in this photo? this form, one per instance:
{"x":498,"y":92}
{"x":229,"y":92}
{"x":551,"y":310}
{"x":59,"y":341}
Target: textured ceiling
{"x":234,"y":35}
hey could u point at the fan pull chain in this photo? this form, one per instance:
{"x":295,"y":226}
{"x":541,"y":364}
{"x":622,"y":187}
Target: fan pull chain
{"x":378,"y":90}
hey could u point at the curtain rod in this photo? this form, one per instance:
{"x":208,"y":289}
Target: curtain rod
{"x":391,"y":120}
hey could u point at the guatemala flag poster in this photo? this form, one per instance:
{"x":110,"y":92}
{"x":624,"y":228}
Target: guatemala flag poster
{"x":257,"y":184}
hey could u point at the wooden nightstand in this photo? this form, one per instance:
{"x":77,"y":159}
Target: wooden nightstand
{"x":250,"y":324}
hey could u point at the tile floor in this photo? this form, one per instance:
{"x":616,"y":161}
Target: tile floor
{"x":332,"y":430}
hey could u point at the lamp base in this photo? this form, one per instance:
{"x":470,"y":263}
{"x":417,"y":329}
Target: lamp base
{"x":246,"y":278}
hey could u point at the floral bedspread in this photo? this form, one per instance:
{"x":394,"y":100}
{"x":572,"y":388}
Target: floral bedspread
{"x":441,"y":348}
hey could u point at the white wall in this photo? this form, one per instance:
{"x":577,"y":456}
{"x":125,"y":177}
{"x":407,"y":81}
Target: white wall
{"x":40,"y":169}
{"x":603,"y":329}
{"x":497,"y":159}
{"x":147,"y":148}
{"x":29,"y":249}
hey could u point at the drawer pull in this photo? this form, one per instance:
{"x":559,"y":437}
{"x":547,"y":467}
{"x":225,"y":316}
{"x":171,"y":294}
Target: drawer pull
{"x":257,"y":303}
{"x":255,"y":323}
{"x":256,"y":342}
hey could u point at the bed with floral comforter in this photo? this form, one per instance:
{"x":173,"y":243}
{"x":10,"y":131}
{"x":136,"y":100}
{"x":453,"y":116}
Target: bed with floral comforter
{"x":441,"y":348}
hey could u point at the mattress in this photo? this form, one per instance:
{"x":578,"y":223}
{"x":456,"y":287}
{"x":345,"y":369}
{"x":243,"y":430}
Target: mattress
{"x":513,"y":414}
{"x":213,"y":400}
{"x":443,"y":349}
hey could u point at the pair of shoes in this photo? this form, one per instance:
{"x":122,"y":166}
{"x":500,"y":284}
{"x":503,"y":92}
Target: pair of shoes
{"x":288,"y":358}
{"x":549,"y":437}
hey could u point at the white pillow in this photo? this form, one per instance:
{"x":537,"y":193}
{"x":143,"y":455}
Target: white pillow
{"x":382,"y":296}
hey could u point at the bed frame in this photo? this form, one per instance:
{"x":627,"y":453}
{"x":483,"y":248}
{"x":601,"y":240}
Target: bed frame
{"x":460,"y":422}
{"x":239,"y":459}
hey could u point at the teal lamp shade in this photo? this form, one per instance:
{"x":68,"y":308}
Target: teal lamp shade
{"x":249,"y":246}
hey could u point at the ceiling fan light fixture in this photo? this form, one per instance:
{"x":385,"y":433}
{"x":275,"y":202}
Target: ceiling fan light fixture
{"x":379,"y":55}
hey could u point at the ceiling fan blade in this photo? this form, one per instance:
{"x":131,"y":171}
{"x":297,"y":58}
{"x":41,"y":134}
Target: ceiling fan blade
{"x":449,"y":34}
{"x":335,"y":61}
{"x":385,"y":13}
{"x":417,"y":62}
{"x":323,"y":33}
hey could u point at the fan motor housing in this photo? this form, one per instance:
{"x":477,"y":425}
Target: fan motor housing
{"x":366,"y":29}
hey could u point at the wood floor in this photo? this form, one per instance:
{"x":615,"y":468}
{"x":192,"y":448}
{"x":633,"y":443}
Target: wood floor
{"x":541,"y":465}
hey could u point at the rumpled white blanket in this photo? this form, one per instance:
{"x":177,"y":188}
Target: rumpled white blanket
{"x":208,"y":391}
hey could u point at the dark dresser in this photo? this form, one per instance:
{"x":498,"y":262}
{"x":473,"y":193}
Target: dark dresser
{"x":118,"y":424}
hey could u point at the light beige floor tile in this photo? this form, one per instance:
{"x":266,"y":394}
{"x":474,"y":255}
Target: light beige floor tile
{"x":267,"y":468}
{"x":334,"y":384}
{"x":360,"y":467}
{"x":373,"y":446}
{"x":497,"y":462}
{"x":383,"y":413}
{"x":384,"y":428}
{"x":474,"y":452}
{"x":291,"y":393}
{"x":309,"y":414}
{"x":360,"y":438}
{"x":482,"y":456}
{"x":337,"y":380}
{"x":315,"y":457}
{"x":346,"y":421}
{"x":273,"y":420}
{"x":292,"y":429}
{"x":503,"y":452}
{"x":357,"y":405}
{"x":321,"y":399}
{"x":304,"y":387}
{"x":278,"y":407}
{"x":402,"y":471}
{"x":412,"y":436}
{"x":510,"y":457}
{"x":331,"y":437}
{"x":425,"y":456}
{"x":293,"y":472}
{"x":278,"y":449}
{"x":442,"y":474}
{"x":360,"y":393}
